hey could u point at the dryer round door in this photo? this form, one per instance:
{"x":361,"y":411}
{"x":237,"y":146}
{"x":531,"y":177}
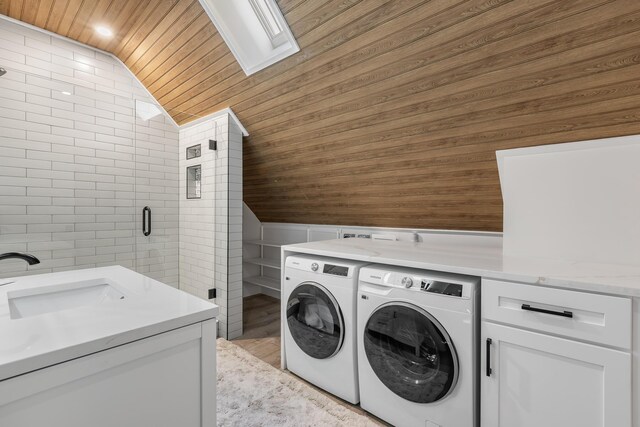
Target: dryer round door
{"x":315,"y":320}
{"x":410,"y":352}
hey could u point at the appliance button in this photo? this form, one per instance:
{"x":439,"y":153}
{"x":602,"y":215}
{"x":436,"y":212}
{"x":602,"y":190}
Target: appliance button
{"x":407,"y":282}
{"x":315,"y":266}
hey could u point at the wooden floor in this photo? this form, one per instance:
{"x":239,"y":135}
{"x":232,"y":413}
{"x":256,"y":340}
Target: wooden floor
{"x":261,"y":323}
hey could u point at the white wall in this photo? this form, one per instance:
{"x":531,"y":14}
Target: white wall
{"x":76,"y":170}
{"x":234,"y":237}
{"x":574,"y":202}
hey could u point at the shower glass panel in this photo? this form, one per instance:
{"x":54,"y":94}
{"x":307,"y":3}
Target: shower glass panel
{"x":73,"y":180}
{"x":67,"y":188}
{"x":156,"y":179}
{"x":79,"y":163}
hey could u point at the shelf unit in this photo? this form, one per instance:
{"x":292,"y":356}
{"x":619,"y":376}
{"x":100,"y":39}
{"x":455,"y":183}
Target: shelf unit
{"x":264,"y":262}
{"x":264,"y":278}
{"x":262,"y":252}
{"x":265,"y":243}
{"x":264,"y":282}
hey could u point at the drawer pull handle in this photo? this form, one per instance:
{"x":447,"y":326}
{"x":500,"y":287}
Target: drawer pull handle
{"x":488,"y":367}
{"x":542,"y":310}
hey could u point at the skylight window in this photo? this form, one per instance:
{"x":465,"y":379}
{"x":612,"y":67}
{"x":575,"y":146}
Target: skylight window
{"x":269,"y":22}
{"x":255,"y":31}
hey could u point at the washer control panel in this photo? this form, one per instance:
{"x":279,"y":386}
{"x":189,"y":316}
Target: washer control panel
{"x":444,"y":288}
{"x":407,"y":281}
{"x":431,"y":282}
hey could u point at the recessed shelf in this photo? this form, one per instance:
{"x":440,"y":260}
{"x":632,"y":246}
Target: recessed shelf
{"x":265,"y":282}
{"x":266,"y":262}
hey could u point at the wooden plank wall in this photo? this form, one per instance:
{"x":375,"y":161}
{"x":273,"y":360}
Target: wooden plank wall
{"x":391,"y":112}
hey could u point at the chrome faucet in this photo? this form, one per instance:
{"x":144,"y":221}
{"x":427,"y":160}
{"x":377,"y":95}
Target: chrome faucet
{"x":25,"y":257}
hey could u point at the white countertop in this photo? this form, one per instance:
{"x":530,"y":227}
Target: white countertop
{"x":481,"y":256}
{"x":149,"y":308}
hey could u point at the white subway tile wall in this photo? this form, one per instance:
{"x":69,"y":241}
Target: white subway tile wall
{"x":197,"y":216}
{"x":77,"y":166}
{"x":210,"y":235}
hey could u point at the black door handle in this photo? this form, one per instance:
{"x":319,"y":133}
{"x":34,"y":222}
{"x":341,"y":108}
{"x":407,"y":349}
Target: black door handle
{"x":489,"y":341}
{"x":527,"y":307}
{"x":146,"y":220}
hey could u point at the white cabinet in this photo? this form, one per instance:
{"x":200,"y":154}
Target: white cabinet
{"x":536,"y":368}
{"x":539,"y":380}
{"x":165,"y":380}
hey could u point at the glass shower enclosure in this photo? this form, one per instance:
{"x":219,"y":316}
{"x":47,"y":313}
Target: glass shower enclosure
{"x":88,"y":175}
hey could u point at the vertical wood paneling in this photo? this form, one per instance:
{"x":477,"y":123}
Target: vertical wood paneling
{"x":30,"y":10}
{"x":391,"y":112}
{"x":68,"y":17}
{"x":15,"y":8}
{"x":85,"y":28}
{"x":55,"y":15}
{"x":42,"y":13}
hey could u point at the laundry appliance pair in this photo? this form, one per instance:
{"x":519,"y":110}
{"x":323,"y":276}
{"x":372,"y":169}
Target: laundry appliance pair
{"x":401,"y":342}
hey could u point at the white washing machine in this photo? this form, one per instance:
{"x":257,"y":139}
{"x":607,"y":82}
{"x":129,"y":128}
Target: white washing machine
{"x":319,"y":303}
{"x":418,"y":335}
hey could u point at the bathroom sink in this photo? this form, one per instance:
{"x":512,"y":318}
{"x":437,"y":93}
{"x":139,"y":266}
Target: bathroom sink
{"x":47,"y":299}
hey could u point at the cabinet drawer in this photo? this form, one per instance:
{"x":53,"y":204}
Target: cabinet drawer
{"x":596,"y":318}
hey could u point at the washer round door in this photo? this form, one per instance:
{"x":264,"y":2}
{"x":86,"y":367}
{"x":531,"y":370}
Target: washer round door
{"x":315,"y":320}
{"x":410,"y":352}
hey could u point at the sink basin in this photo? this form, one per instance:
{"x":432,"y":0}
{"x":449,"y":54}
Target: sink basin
{"x":48,"y":299}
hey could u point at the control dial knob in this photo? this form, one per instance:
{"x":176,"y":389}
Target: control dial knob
{"x":315,"y":266}
{"x":407,"y":282}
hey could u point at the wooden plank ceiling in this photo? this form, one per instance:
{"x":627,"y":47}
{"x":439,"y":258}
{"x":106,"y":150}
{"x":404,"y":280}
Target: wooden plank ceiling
{"x":391,"y":112}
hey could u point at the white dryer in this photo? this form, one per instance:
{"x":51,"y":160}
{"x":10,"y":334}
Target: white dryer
{"x":418,"y":335}
{"x":319,"y":303}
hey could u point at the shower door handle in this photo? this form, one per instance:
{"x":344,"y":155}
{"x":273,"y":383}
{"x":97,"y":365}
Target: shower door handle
{"x":146,"y":220}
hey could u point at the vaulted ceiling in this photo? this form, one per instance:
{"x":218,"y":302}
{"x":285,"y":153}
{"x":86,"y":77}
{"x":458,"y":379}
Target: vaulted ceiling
{"x":391,"y":112}
{"x":171,"y":45}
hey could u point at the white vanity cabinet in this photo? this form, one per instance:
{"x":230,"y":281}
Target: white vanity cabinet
{"x":554,"y":358}
{"x":165,"y":380}
{"x":105,"y":347}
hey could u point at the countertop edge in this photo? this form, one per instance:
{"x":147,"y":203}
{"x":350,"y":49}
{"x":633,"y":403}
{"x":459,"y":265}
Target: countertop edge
{"x":43,"y":361}
{"x":526,"y":279}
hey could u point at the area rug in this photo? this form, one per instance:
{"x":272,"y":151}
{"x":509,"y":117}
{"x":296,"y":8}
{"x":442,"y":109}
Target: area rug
{"x":254,"y":393}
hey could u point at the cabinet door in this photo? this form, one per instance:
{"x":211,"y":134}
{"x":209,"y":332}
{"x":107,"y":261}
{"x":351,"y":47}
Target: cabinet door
{"x":531,"y":380}
{"x":166,"y":380}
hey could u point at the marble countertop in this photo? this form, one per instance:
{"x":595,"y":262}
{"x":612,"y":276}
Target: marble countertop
{"x":148,"y":308}
{"x":481,"y":256}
